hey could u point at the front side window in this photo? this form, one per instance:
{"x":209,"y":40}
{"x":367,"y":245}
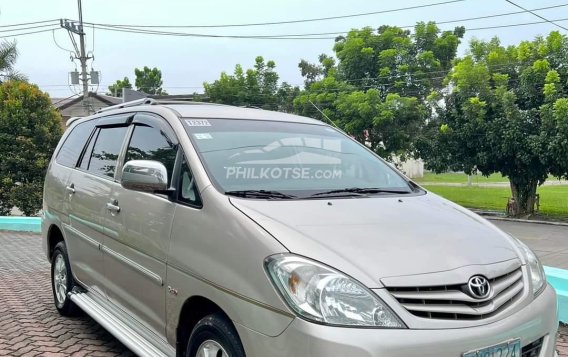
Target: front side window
{"x":303,"y":160}
{"x":149,"y":143}
{"x":74,"y":143}
{"x":106,"y":151}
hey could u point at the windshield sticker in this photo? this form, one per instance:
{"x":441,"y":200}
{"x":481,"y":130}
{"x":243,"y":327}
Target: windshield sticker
{"x":201,"y":136}
{"x":198,"y":122}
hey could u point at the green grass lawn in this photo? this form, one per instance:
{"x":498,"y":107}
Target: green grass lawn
{"x":553,"y":199}
{"x":460,"y":177}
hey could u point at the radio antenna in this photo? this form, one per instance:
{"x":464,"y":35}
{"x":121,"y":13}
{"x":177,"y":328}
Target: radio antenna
{"x":322,"y":113}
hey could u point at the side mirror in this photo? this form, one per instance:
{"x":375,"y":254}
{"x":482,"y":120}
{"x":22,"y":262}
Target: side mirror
{"x":145,"y":176}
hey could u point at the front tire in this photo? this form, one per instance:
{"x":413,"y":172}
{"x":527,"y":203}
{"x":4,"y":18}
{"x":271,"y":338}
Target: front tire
{"x":62,"y":281}
{"x":214,"y":336}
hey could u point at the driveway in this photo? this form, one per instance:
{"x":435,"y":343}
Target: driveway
{"x":29,"y":323}
{"x":548,"y":241}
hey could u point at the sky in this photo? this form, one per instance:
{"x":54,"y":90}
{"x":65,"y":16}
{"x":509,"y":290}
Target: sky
{"x":187,"y":62}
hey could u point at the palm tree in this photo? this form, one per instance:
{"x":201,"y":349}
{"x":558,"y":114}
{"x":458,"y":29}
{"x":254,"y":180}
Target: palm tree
{"x":8,"y":56}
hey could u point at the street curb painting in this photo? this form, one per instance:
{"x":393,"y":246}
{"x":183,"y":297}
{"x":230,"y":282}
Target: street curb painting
{"x":20,"y":224}
{"x":558,"y":278}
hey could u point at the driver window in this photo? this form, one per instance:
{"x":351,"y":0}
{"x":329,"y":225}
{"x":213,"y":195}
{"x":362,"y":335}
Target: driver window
{"x":149,"y":143}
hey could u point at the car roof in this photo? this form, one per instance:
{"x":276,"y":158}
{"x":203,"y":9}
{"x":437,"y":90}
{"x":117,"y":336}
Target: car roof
{"x":198,"y":110}
{"x":216,"y":111}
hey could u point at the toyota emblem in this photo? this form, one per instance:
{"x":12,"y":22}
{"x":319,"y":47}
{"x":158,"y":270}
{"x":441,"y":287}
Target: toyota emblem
{"x":479,"y":287}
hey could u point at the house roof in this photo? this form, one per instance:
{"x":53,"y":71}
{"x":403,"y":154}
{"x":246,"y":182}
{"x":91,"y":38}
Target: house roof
{"x":63,"y":103}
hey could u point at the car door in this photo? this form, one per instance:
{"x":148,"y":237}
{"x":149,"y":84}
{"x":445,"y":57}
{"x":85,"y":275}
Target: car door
{"x":139,"y":227}
{"x":89,"y":189}
{"x":57,"y":192}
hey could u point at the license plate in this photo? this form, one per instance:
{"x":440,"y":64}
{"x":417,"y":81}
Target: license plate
{"x":506,"y":349}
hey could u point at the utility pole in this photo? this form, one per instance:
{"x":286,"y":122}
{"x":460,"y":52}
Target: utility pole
{"x":83,"y":58}
{"x":73,"y":28}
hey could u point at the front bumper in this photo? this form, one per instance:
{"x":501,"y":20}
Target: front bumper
{"x":302,"y":338}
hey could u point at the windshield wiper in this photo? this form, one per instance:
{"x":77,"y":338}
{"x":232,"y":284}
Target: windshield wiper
{"x":260,"y":194}
{"x":362,"y":191}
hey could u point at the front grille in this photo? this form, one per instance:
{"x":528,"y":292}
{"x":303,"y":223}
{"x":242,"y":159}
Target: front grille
{"x":450,"y":302}
{"x":532,"y":349}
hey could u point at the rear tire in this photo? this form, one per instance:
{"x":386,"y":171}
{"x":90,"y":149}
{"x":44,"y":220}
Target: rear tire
{"x":62,"y":281}
{"x":215,"y":336}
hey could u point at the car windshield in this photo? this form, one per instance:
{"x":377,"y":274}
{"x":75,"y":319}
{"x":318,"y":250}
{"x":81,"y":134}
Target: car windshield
{"x":269,"y":159}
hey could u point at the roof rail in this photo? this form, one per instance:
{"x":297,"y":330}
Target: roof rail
{"x":71,"y":121}
{"x":152,"y":101}
{"x":132,"y":103}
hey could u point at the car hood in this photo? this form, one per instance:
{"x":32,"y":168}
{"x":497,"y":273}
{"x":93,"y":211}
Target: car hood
{"x":379,"y":237}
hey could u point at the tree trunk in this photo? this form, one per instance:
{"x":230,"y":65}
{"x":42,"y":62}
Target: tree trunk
{"x":524,"y":196}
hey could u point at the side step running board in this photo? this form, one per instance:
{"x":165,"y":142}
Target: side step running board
{"x":119,"y":329}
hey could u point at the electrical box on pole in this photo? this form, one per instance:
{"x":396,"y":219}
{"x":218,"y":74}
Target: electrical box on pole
{"x":74,"y":77}
{"x":94,"y":77}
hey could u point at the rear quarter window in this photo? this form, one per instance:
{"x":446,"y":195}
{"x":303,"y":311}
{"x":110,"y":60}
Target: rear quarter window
{"x":74,"y":143}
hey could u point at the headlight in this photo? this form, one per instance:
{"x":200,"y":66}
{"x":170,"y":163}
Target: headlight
{"x":321,"y":294}
{"x":535,"y":269}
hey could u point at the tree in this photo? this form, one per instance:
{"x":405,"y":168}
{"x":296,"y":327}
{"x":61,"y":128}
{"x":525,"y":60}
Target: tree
{"x":506,"y":112}
{"x":313,"y":72}
{"x":388,"y":126}
{"x":256,"y":87}
{"x":116,"y":88}
{"x":393,"y":60}
{"x":8,"y":56}
{"x":149,"y":81}
{"x":29,"y":131}
{"x":377,"y":89}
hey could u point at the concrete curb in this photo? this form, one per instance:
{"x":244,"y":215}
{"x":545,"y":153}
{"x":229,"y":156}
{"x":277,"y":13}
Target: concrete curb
{"x":526,"y":221}
{"x":558,"y":278}
{"x":20,"y":224}
{"x":497,"y":216}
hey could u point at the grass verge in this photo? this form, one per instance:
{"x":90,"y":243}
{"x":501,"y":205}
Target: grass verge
{"x":553,"y":199}
{"x":460,"y":177}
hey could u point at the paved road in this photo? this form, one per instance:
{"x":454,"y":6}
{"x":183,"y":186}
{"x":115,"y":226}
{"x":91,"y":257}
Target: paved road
{"x":30,"y":325}
{"x":548,"y":241}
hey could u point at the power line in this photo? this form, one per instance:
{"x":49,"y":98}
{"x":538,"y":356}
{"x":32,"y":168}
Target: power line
{"x":307,"y":36}
{"x":299,"y":20}
{"x":512,"y":25}
{"x":29,"y":33}
{"x":28,"y":28}
{"x":441,"y":22}
{"x":282,"y":36}
{"x":30,"y":23}
{"x":537,"y":15}
{"x":142,"y":27}
{"x":57,"y":44}
{"x":185,"y":34}
{"x":403,"y":76}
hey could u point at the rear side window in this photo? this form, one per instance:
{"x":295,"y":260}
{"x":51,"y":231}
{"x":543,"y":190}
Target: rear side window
{"x":149,"y":143}
{"x":74,"y":143}
{"x":106,"y":150}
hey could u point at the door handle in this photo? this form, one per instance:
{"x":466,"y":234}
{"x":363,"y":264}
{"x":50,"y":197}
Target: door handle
{"x":113,"y":207}
{"x":70,"y":189}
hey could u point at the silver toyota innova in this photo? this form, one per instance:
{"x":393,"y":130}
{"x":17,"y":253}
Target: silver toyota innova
{"x":210,"y":230}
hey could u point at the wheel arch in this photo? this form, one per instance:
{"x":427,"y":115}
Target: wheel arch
{"x":54,"y":236}
{"x":194,"y":309}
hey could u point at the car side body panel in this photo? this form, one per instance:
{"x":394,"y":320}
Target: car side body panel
{"x":220,"y":247}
